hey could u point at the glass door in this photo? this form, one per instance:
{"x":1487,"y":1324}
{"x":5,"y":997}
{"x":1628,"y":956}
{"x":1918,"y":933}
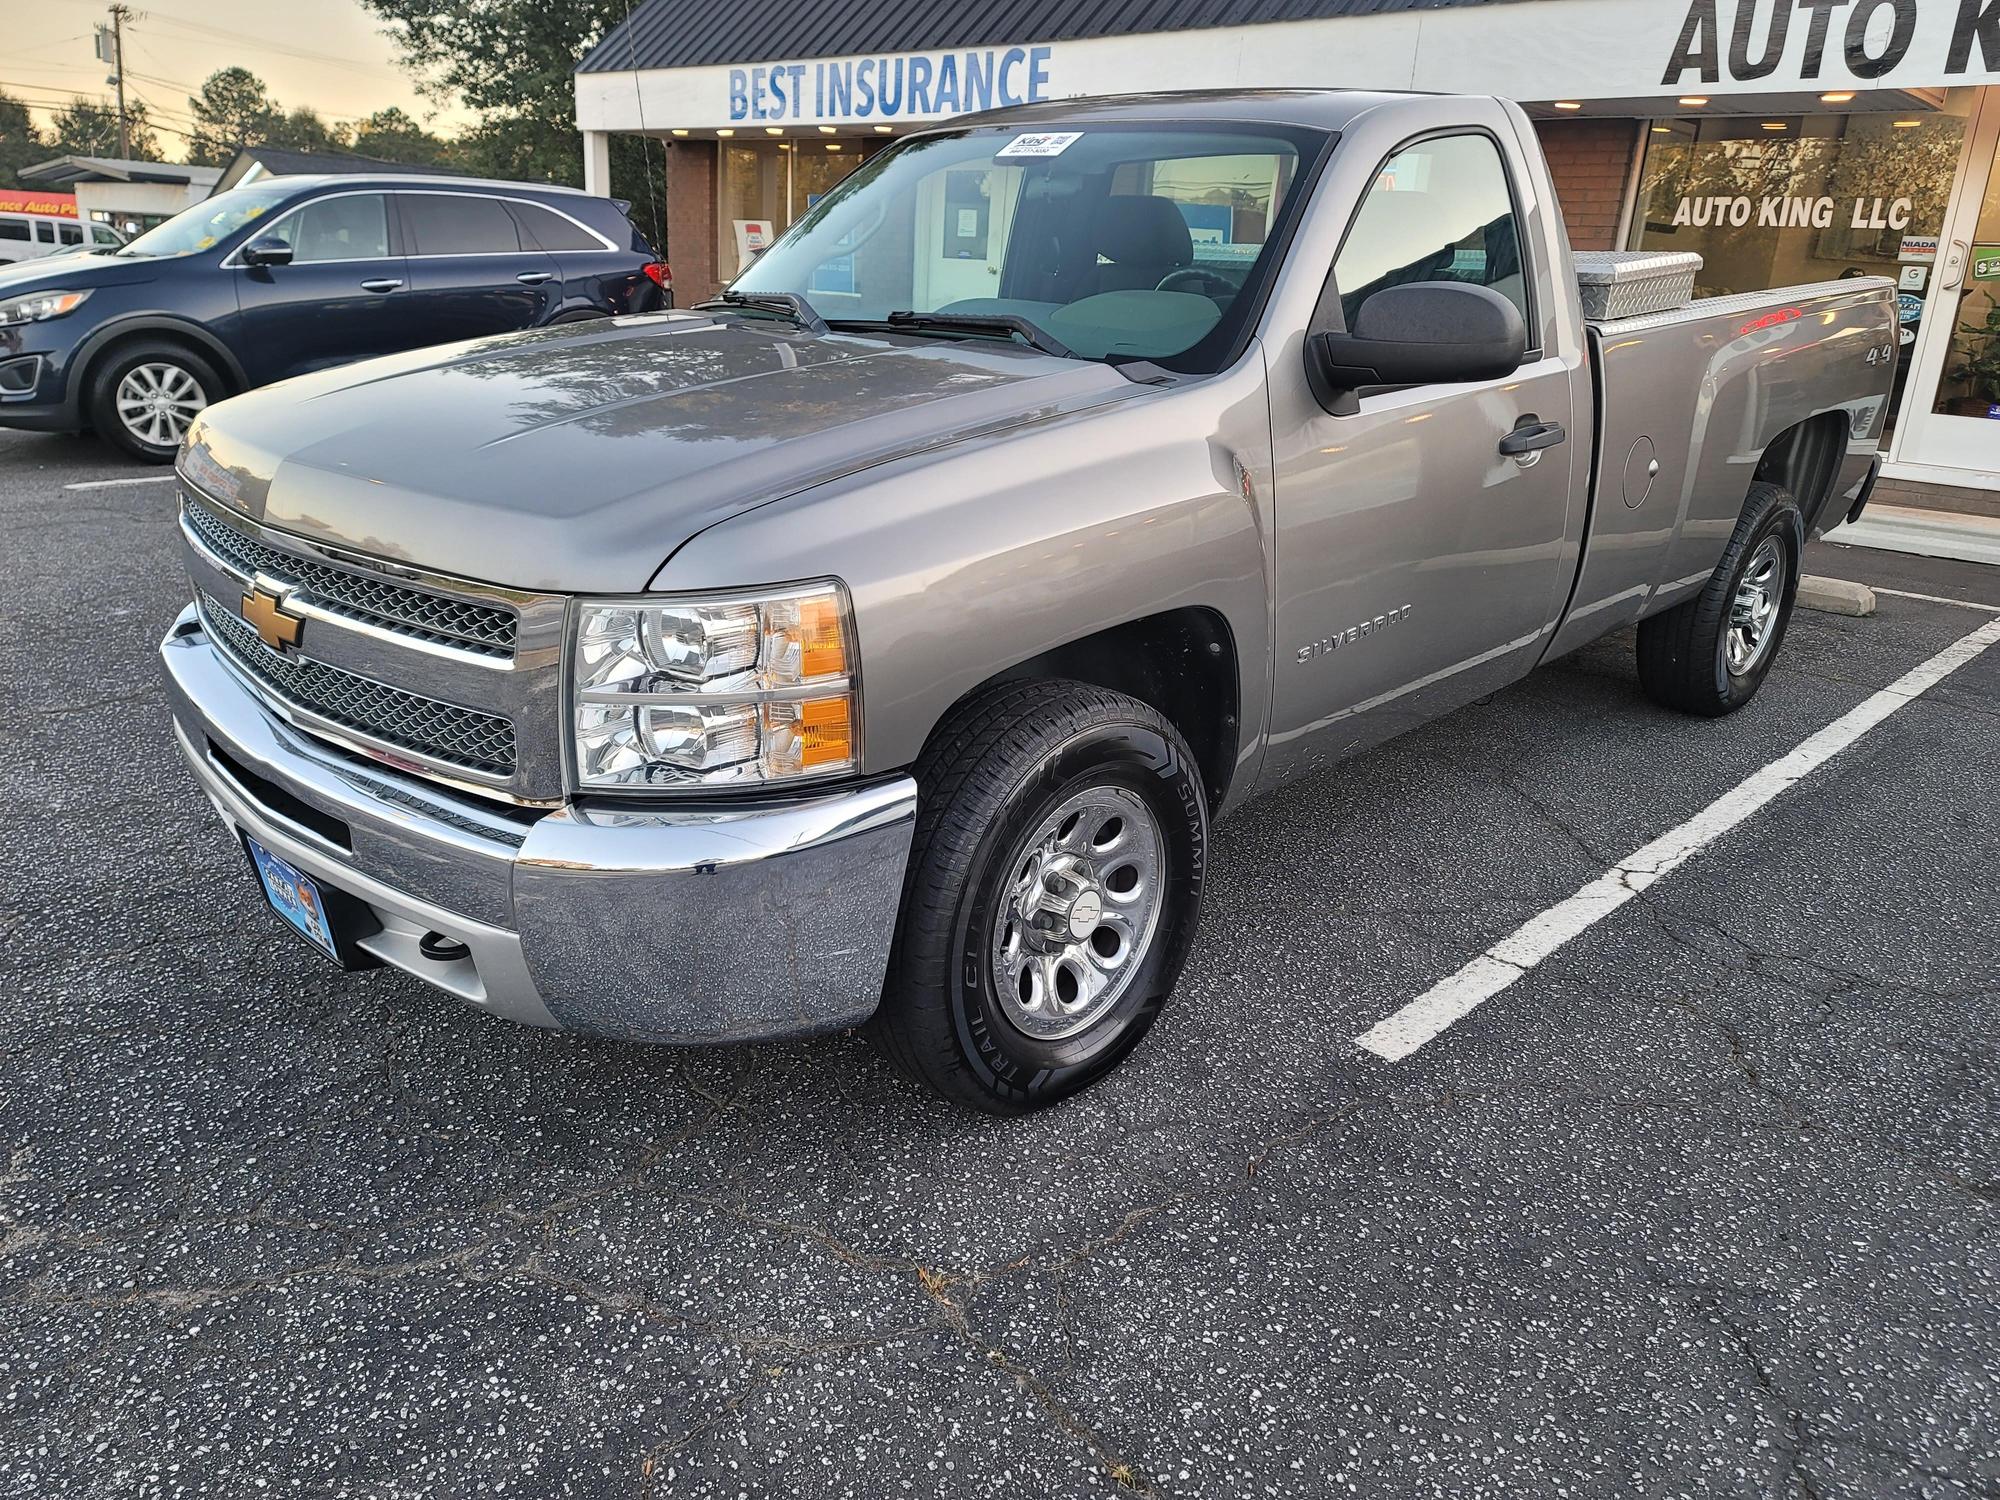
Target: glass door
{"x":1951,"y":410}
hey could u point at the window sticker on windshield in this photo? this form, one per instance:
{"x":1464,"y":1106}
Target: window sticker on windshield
{"x":1039,"y":143}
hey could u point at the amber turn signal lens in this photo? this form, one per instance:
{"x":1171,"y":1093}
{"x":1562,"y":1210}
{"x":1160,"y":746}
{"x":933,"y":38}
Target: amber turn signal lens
{"x":826,"y":733}
{"x":823,"y":649}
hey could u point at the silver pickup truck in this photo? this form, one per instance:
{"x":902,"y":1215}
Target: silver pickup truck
{"x":878,"y":644}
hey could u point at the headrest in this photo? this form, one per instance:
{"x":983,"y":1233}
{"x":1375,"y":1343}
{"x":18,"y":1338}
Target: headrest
{"x":1142,"y":230}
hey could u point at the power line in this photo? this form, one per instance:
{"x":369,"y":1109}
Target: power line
{"x":241,"y":38}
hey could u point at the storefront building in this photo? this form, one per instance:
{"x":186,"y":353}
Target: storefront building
{"x":1785,"y":140}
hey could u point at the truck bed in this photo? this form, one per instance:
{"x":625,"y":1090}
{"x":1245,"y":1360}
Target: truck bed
{"x":1760,"y":364}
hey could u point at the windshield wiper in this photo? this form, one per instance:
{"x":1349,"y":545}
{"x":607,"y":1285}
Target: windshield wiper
{"x":785,"y":304}
{"x":1035,"y":338}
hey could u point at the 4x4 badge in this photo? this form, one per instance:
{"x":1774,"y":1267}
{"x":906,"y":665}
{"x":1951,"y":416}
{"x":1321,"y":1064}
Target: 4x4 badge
{"x":266,"y":614}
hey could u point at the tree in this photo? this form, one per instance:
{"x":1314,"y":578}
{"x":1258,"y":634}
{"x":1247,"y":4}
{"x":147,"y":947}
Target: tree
{"x":90,"y":128}
{"x":393,"y":136}
{"x":302,"y":129}
{"x":21,"y":144}
{"x":511,"y":61}
{"x":233,"y":110}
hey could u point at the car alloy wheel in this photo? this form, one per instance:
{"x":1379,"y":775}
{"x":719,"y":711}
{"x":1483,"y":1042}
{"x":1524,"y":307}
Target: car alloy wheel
{"x":157,"y":402}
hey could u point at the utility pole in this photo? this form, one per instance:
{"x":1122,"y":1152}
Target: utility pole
{"x":119,"y":15}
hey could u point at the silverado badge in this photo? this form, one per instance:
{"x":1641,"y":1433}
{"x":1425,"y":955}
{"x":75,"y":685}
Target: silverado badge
{"x":265,"y":611}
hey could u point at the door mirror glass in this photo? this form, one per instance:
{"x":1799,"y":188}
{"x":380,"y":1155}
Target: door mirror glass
{"x":267,"y":250}
{"x":1420,"y":333}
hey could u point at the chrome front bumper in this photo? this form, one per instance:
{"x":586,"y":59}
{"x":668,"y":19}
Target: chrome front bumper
{"x":724,"y":923}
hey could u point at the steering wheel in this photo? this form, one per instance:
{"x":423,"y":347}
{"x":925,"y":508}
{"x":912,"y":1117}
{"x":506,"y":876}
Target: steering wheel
{"x":1195,"y":279}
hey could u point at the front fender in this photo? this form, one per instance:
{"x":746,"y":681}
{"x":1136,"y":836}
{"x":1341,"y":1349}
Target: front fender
{"x":966,"y":562}
{"x":153,"y":322}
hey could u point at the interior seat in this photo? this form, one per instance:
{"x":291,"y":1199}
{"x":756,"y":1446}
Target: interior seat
{"x":1143,"y":237}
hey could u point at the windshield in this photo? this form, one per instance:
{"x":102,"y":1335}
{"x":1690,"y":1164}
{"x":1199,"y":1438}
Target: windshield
{"x":208,"y":223}
{"x":1126,"y":241}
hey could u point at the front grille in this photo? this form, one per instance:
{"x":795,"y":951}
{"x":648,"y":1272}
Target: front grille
{"x":442,"y":731}
{"x":482,"y":628}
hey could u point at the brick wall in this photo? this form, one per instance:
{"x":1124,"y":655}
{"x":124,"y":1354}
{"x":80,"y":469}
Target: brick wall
{"x":1591,"y":161}
{"x":691,"y":169}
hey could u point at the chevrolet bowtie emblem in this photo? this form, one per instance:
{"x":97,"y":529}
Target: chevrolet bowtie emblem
{"x":265,"y":613}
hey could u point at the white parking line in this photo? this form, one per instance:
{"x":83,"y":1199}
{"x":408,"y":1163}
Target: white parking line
{"x":1938,"y":599}
{"x":1451,"y":1000}
{"x":105,"y":484}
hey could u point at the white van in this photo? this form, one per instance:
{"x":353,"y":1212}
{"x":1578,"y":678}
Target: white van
{"x":27,"y":236}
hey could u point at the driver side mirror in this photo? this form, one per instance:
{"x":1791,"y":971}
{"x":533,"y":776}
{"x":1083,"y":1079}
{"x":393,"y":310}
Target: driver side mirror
{"x":267,"y":251}
{"x":1420,"y":333}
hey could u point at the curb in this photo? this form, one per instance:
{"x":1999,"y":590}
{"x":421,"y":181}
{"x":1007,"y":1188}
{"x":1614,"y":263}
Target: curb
{"x":1836,"y":596}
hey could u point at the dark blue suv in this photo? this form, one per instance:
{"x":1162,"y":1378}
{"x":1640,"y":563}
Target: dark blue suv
{"x":295,"y":274}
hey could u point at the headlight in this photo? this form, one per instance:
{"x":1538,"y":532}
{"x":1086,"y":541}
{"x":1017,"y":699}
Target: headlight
{"x":727,"y":691}
{"x":39,"y":307}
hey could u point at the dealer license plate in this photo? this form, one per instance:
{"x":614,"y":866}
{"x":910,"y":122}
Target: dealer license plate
{"x":295,"y":898}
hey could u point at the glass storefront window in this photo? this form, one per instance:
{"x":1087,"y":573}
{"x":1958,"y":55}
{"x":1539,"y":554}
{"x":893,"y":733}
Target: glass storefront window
{"x":1970,"y":383}
{"x":774,"y":182}
{"x":1771,"y":202}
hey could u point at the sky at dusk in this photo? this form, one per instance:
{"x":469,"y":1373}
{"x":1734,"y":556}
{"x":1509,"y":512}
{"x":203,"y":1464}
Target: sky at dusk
{"x":329,"y":54}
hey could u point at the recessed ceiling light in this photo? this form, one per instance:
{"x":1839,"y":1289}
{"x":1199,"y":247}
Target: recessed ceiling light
{"x":1663,"y":130}
{"x":1568,"y":104}
{"x":774,"y":130}
{"x":726,"y":130}
{"x":826,"y":130}
{"x":784,"y":145}
{"x":1694,"y":101}
{"x":1908,"y":124}
{"x":833,"y":145}
{"x":1775,"y":125}
{"x":678,"y":130}
{"x":1841,"y":98}
{"x":884,"y":129}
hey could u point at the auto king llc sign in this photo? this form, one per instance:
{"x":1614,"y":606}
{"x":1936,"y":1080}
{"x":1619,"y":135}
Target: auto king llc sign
{"x":1784,"y":43}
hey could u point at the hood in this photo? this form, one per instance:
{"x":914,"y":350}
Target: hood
{"x":577,"y":459}
{"x":72,"y":271}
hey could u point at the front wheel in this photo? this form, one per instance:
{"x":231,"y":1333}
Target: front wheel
{"x":1709,"y":655}
{"x":1053,"y":886}
{"x":146,"y":395}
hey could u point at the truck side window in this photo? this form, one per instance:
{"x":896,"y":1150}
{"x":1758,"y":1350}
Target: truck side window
{"x":1438,"y":211}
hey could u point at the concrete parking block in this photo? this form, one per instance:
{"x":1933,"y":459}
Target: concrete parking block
{"x":1836,"y":596}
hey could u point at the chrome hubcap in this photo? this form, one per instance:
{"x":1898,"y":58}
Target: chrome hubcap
{"x":1753,"y":617}
{"x":1079,"y":912}
{"x":157,"y":402}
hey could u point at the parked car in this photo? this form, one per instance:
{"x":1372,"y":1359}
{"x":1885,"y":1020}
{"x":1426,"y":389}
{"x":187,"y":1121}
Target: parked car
{"x":292,"y":275}
{"x":877,"y":645}
{"x":36,"y":225}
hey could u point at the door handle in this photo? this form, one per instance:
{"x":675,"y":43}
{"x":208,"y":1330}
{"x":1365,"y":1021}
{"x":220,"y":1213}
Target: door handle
{"x":380,"y":284}
{"x":535,"y":278}
{"x":1531,"y":437}
{"x":1954,"y":265}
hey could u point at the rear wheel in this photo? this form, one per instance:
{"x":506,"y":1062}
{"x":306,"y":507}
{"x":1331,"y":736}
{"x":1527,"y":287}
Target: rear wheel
{"x":1709,"y":655}
{"x":146,"y":395}
{"x":1053,"y":886}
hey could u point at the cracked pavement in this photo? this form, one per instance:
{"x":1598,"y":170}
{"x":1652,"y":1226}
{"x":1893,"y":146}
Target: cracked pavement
{"x":1706,"y":1205}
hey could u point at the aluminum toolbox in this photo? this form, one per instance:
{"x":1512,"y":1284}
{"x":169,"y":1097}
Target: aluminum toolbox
{"x":1633,"y":283}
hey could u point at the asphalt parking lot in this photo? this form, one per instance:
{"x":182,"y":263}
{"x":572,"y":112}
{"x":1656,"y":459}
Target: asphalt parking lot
{"x":1707,"y":1204}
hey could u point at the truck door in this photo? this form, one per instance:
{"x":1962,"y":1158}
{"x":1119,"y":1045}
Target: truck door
{"x":1418,"y":566}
